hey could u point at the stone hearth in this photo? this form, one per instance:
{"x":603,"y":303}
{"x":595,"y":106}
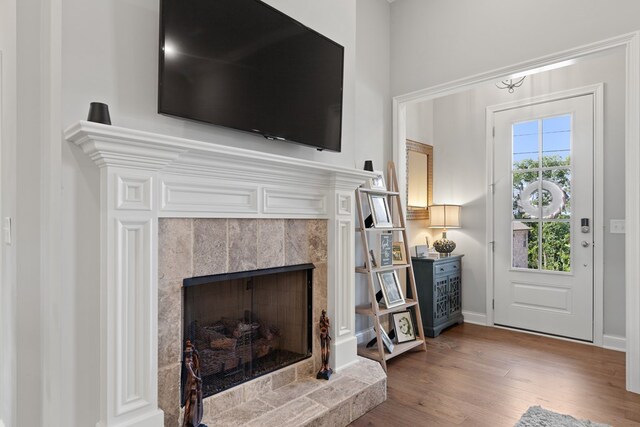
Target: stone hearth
{"x":278,"y":401}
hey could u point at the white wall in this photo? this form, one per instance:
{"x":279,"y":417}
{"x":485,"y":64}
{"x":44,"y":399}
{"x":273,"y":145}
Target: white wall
{"x":460,"y":170}
{"x":438,"y":41}
{"x":7,"y":209}
{"x":373,"y":106}
{"x":20,"y":41}
{"x":420,"y":128}
{"x":110,"y":55}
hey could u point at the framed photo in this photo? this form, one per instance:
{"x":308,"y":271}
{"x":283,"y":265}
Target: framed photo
{"x":385,"y":246}
{"x":422,"y":251}
{"x":399,"y":254}
{"x":377,"y":183}
{"x":391,"y":290}
{"x":386,"y":340}
{"x":380,"y":211}
{"x":403,"y":324}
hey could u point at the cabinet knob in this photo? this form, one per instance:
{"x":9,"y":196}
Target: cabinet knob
{"x":441,"y":269}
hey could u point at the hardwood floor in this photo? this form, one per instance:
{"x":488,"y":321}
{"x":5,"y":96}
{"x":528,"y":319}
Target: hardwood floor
{"x":478,"y":376}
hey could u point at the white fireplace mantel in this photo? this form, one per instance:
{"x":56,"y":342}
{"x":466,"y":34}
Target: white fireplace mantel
{"x":146,"y":176}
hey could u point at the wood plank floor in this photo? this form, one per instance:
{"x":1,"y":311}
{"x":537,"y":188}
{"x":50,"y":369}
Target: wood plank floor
{"x":478,"y":376}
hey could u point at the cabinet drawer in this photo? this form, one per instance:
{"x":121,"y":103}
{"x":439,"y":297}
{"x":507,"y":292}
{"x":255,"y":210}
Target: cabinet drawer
{"x":447,"y":268}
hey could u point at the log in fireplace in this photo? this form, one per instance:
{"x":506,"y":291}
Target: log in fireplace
{"x":248,"y":324}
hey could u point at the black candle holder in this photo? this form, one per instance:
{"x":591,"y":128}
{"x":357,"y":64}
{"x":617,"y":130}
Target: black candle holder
{"x":99,"y":113}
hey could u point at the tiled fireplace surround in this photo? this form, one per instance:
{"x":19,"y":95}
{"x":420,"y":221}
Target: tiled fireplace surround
{"x":199,"y":247}
{"x":162,"y":198}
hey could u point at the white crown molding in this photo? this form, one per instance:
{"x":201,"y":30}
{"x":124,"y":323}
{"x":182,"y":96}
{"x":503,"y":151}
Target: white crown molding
{"x":146,"y":176}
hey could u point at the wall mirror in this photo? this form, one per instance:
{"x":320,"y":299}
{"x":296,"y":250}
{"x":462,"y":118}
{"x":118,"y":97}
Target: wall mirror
{"x":419,"y":179}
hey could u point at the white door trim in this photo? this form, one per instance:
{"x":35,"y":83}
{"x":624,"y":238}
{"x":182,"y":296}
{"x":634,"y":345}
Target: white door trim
{"x":597,"y":92}
{"x":631,"y":43}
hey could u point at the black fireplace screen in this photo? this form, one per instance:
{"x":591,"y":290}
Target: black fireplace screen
{"x":248,"y":324}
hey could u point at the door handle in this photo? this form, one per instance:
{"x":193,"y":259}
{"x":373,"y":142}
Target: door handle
{"x":585,"y":244}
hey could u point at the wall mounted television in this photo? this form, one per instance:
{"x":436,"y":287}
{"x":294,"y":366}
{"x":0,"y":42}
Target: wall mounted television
{"x":245,"y":65}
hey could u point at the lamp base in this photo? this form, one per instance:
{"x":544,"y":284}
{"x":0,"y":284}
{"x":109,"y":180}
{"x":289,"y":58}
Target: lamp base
{"x":444,"y":246}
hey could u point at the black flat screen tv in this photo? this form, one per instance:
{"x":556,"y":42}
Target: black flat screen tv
{"x":244,"y":65}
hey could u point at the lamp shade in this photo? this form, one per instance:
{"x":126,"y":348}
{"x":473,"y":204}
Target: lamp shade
{"x":444,"y":216}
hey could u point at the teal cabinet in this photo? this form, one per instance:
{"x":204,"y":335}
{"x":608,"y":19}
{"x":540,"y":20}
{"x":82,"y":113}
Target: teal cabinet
{"x":439,"y":288}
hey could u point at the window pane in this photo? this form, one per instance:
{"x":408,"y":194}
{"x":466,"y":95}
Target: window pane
{"x":525,"y":245}
{"x":556,"y":200}
{"x":525,"y":195}
{"x":556,"y":246}
{"x":556,"y":141}
{"x":525,"y":145}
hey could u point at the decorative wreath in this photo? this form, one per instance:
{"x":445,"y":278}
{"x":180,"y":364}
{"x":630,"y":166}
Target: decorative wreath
{"x":555,"y":206}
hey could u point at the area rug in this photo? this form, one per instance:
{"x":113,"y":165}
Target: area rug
{"x":540,"y":417}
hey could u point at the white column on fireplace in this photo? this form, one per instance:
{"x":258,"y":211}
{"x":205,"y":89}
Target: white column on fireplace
{"x":147,"y":176}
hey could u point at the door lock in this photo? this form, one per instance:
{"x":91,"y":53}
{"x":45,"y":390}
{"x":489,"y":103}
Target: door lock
{"x":584,"y":225}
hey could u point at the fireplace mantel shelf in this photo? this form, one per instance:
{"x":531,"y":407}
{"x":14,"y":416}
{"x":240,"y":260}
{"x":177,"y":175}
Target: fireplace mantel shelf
{"x":118,"y":146}
{"x":146,"y":176}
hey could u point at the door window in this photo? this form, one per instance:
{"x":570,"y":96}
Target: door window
{"x":541,"y":183}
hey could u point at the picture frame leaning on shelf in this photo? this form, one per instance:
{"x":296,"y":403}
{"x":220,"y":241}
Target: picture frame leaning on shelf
{"x":404,"y":326}
{"x":391,"y":290}
{"x":380,"y":211}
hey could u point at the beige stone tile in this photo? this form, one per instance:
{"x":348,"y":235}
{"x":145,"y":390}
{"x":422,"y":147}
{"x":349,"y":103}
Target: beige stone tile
{"x":221,"y":402}
{"x":239,"y":415}
{"x":318,"y":235}
{"x":368,"y":399}
{"x":319,"y":304}
{"x":175,"y":248}
{"x":305,"y":369}
{"x":210,"y":254}
{"x":339,"y":416}
{"x":296,"y":242}
{"x":256,"y":388}
{"x":243,"y":244}
{"x":289,"y":392}
{"x":169,"y":322}
{"x":283,"y":377}
{"x":270,"y":243}
{"x":169,"y":393}
{"x":171,"y":420}
{"x":337,"y":391}
{"x":295,"y":413}
{"x":366,"y":370}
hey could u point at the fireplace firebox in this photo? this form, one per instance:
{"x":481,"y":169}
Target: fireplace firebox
{"x":249,"y":323}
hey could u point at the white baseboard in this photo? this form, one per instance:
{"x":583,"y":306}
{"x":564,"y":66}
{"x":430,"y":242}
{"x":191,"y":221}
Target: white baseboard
{"x":614,"y":342}
{"x":475,"y":318}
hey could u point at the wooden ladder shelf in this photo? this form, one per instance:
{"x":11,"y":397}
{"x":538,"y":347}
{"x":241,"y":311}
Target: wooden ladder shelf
{"x":374,"y":309}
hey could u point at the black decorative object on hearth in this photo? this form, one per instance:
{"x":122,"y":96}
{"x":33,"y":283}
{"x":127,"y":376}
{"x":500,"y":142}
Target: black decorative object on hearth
{"x":192,"y":392}
{"x":325,"y":347}
{"x":99,"y":113}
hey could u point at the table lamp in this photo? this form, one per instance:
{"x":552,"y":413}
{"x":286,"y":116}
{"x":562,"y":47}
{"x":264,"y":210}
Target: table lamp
{"x":444,"y":216}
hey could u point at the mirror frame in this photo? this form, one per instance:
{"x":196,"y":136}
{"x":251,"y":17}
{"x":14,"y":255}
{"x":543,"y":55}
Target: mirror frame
{"x":419,"y":213}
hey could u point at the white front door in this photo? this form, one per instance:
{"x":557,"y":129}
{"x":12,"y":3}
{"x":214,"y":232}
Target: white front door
{"x":543,"y":193}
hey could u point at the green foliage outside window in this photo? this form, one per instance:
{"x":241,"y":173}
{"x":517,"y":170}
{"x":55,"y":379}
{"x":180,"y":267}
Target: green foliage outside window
{"x":556,"y":248}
